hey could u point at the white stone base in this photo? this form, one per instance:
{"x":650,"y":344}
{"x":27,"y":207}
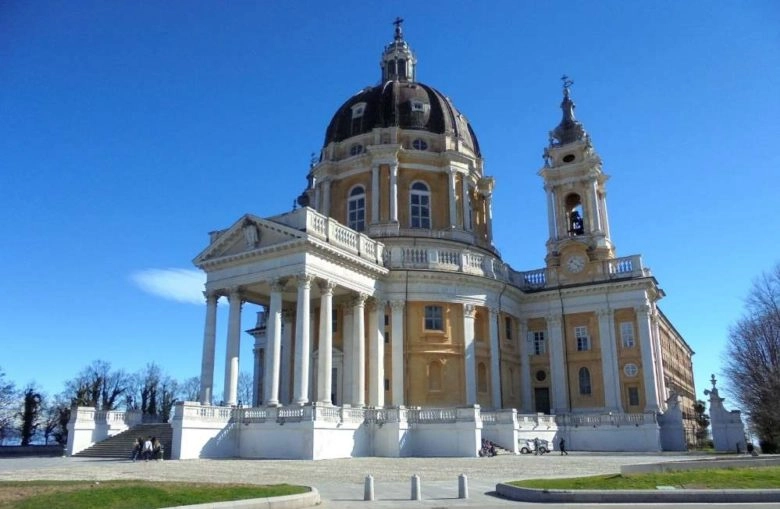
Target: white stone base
{"x":327,"y":432}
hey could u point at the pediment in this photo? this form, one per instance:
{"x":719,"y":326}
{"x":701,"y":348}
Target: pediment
{"x":248,"y":234}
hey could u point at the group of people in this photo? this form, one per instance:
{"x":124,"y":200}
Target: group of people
{"x":147,"y":449}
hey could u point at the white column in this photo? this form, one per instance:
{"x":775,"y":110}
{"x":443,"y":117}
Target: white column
{"x":209,"y":345}
{"x":659,"y":366}
{"x":257,"y":375}
{"x":469,"y":354}
{"x":495,"y":359}
{"x":489,"y":217}
{"x":397,"y":349}
{"x":594,"y":200}
{"x":551,"y":219}
{"x":465,"y":202}
{"x":560,"y":389}
{"x":648,"y":360}
{"x":285,"y":374}
{"x":359,"y":345}
{"x":609,"y":362}
{"x":374,"y":193}
{"x":302,"y":343}
{"x":274,"y":345}
{"x":325,"y":359}
{"x":605,"y":218}
{"x":325,"y":196}
{"x":376,"y":354}
{"x":525,"y":369}
{"x":453,"y":201}
{"x":233,"y":348}
{"x":394,"y":192}
{"x":348,"y":362}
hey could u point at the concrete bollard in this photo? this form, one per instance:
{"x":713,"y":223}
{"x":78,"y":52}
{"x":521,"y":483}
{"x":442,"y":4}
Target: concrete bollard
{"x":368,"y":489}
{"x":416,"y":494}
{"x":463,"y":486}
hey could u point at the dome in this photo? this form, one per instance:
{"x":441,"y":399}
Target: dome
{"x":400,"y":101}
{"x":408,"y":105}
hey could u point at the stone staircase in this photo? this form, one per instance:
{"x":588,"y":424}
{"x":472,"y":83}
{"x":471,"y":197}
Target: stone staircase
{"x":121,"y":445}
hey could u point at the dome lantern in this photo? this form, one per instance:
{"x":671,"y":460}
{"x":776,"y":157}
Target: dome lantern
{"x":398,"y":62}
{"x":569,"y":130}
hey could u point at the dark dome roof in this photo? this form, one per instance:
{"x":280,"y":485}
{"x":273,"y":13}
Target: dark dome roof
{"x":391,"y":105}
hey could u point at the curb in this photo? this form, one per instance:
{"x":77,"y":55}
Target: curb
{"x":300,"y":501}
{"x":636,"y":496}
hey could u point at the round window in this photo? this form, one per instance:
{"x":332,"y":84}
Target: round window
{"x":568,"y":158}
{"x":420,"y":144}
{"x":355,"y":149}
{"x":630,"y":369}
{"x":541,"y":375}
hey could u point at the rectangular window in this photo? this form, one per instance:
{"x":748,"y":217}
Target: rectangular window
{"x":633,"y":396}
{"x":583,"y":341}
{"x":357,"y":213}
{"x":508,"y":327}
{"x":627,"y":334}
{"x":433,"y":318}
{"x":537,"y":338}
{"x":387,"y":384}
{"x":421,"y":211}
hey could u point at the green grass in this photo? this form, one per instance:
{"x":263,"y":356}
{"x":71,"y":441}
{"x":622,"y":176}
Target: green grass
{"x":128,"y":494}
{"x":726,"y":478}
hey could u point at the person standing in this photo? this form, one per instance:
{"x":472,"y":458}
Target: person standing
{"x":536,"y":446}
{"x":562,"y":447}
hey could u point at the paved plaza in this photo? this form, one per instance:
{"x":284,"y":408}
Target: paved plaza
{"x":340,"y":482}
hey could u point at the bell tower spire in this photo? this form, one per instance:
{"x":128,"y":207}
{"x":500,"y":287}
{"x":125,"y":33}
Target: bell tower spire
{"x":398,"y":61}
{"x":576,"y":197}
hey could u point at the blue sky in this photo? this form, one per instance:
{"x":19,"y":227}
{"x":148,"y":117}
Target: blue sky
{"x":131,"y":129}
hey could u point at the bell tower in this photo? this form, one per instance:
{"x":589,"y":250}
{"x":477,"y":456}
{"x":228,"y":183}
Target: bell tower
{"x":576,"y":198}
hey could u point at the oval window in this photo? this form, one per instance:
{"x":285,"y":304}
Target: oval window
{"x":568,"y":158}
{"x":420,"y":144}
{"x":541,"y":375}
{"x":630,"y":369}
{"x":355,"y":149}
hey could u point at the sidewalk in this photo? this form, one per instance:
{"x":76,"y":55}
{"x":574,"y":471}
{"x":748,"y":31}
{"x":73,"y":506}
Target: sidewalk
{"x":341,"y":482}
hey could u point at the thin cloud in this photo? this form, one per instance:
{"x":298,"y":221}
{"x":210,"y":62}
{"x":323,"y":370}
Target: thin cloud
{"x":180,"y":285}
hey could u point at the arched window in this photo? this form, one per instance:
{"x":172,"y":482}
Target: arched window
{"x":434,"y":376}
{"x":356,"y":209}
{"x":584,"y":382}
{"x":482,"y":378}
{"x":576,"y":218}
{"x":420,"y":205}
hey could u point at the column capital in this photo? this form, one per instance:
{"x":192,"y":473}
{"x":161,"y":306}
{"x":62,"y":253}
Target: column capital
{"x":605,"y":312}
{"x":212,"y":295}
{"x":469,"y":310}
{"x":397,"y":305}
{"x":643,"y":309}
{"x":494,"y":311}
{"x":554,"y":319}
{"x":374,"y":303}
{"x":304,"y":280}
{"x":359,"y":300}
{"x":326,"y":286}
{"x":277,"y":285}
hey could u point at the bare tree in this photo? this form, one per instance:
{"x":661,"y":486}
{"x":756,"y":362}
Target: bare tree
{"x":189,"y":390}
{"x":56,"y":414}
{"x":245,"y":392}
{"x":8,"y":402}
{"x":98,"y":386}
{"x":752,"y":359}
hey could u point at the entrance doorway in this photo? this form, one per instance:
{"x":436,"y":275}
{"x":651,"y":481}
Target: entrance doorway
{"x":542,"y":399}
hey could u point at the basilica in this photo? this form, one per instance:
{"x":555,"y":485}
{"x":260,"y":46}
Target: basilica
{"x":389,"y":325}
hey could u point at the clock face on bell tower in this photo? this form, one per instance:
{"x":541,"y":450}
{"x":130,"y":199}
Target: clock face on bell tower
{"x":575,"y":263}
